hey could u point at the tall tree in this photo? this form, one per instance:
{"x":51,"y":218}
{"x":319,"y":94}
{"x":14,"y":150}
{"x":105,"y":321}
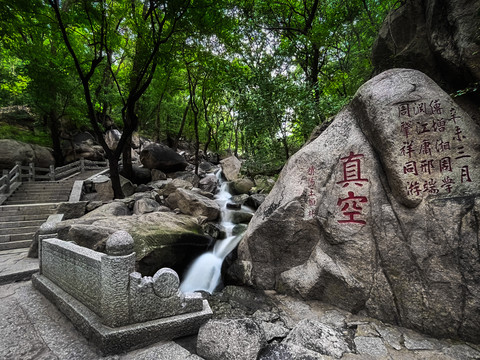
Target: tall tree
{"x":112,"y":27}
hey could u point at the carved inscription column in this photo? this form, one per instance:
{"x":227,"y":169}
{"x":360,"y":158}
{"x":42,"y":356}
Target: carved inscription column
{"x":436,"y":157}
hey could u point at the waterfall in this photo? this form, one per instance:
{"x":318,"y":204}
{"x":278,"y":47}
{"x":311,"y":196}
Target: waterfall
{"x":204,"y":273}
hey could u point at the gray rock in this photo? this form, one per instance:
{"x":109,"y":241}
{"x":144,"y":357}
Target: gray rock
{"x":215,"y":230}
{"x":209,"y":183}
{"x":92,"y":205}
{"x":158,"y":175}
{"x":368,"y":219}
{"x":194,"y":204}
{"x":104,"y":190}
{"x":255,"y":200}
{"x":240,"y":217}
{"x":263,"y":184}
{"x":288,"y":352}
{"x":371,"y":346}
{"x":12,"y":151}
{"x":318,"y":337}
{"x":240,"y":199}
{"x":233,"y":206}
{"x":172,"y":186}
{"x":145,"y":205}
{"x":191,"y":177}
{"x":231,"y":168}
{"x":239,"y":229}
{"x":230,"y":339}
{"x":112,"y":137}
{"x":242,"y":186}
{"x":115,"y":208}
{"x":439,"y":38}
{"x":161,"y":157}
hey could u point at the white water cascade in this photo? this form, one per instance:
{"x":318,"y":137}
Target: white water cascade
{"x":204,"y":273}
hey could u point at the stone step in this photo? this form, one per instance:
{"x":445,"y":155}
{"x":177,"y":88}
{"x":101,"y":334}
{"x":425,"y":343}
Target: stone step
{"x":20,"y":223}
{"x":16,"y":237}
{"x":45,"y":186}
{"x":43,"y":201}
{"x":16,"y":266}
{"x":39,"y":197}
{"x":18,"y":230}
{"x":14,"y":218}
{"x":28,"y":209}
{"x":17,"y":244}
{"x":42,"y":192}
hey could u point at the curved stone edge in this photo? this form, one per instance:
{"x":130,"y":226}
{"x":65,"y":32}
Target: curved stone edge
{"x":118,"y":340}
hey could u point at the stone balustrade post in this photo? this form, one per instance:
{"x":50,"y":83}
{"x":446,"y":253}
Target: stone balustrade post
{"x":31,"y":172}
{"x":7,"y":181}
{"x":52,"y":173}
{"x":82,"y":165}
{"x":115,"y":274}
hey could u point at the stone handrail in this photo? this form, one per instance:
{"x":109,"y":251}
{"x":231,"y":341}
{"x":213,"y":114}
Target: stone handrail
{"x":9,"y":182}
{"x":20,"y":173}
{"x":108,"y":285}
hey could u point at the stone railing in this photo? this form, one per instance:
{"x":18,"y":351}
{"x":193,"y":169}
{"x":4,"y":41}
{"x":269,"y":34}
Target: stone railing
{"x":9,"y":182}
{"x":21,"y":173}
{"x":111,"y":304}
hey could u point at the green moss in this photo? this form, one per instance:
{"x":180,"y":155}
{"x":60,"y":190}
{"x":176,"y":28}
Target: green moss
{"x":25,"y":135}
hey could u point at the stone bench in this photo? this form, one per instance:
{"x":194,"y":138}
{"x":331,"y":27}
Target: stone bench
{"x":111,"y":304}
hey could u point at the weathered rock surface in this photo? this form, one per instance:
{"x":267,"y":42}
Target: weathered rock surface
{"x":439,"y":38}
{"x":242,"y":186}
{"x":318,"y":337}
{"x":161,"y":157}
{"x":380,"y":213}
{"x":231,"y":168}
{"x":191,"y":203}
{"x":12,"y":151}
{"x":240,"y":339}
{"x":162,"y":239}
{"x":208,"y":183}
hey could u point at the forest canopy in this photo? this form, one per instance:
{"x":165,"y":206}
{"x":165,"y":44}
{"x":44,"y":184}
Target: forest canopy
{"x":251,"y":77}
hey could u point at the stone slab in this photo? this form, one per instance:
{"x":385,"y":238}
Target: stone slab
{"x":117,"y":340}
{"x":16,"y":266}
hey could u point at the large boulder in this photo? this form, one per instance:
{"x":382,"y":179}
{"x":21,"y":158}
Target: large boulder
{"x":231,"y":168}
{"x":161,"y":157}
{"x":162,"y":239}
{"x":192,"y":203}
{"x":380,"y":213}
{"x":439,"y":38}
{"x":12,"y":151}
{"x":82,"y":145}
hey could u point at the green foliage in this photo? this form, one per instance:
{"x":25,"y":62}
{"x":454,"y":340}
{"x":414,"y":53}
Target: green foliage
{"x":249,"y":77}
{"x":25,"y":135}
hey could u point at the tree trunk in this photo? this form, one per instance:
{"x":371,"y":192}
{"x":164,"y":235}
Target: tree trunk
{"x":54,"y":127}
{"x":182,"y":125}
{"x":115,"y":177}
{"x":127,"y":159}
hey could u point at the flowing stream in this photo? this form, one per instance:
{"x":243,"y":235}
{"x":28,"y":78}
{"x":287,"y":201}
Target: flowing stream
{"x":204,"y":273}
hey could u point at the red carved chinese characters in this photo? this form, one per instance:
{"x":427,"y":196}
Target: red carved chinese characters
{"x":352,"y":170}
{"x":351,"y":209}
{"x":311,"y":197}
{"x":352,"y":175}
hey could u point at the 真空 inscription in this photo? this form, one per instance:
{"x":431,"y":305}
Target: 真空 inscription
{"x":351,"y":206}
{"x":436,"y":158}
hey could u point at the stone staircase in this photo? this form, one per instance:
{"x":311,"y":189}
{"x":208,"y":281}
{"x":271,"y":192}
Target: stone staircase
{"x":41,"y":192}
{"x":18,"y":223}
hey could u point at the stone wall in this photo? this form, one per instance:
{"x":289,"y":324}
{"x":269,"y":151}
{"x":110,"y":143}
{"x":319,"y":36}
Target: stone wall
{"x":108,"y":285}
